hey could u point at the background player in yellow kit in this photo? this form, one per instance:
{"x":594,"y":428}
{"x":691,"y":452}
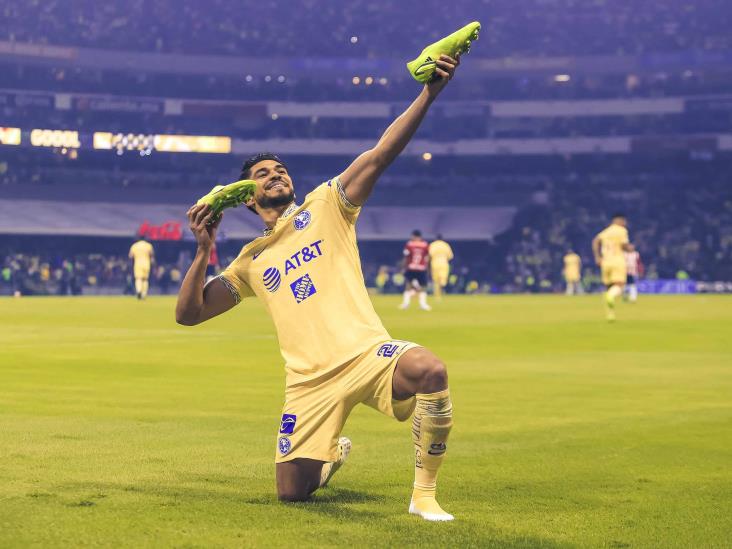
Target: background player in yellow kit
{"x":440,"y":257}
{"x":572,"y":272}
{"x":306,"y":270}
{"x":143,"y":256}
{"x":608,"y":247}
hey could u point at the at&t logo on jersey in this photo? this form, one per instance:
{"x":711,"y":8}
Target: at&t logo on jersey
{"x":272,"y":279}
{"x":302,"y":288}
{"x":307,"y":254}
{"x":301,"y":220}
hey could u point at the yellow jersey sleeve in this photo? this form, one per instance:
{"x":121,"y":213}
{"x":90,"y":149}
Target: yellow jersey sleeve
{"x":334,"y":192}
{"x":233,"y":278}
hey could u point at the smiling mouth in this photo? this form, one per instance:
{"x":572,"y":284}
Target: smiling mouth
{"x":275,"y":185}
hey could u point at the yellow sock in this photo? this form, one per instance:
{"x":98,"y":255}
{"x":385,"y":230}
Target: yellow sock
{"x":145,"y":285}
{"x":430,"y":428}
{"x":610,"y":295}
{"x":438,"y":291}
{"x":138,"y":285}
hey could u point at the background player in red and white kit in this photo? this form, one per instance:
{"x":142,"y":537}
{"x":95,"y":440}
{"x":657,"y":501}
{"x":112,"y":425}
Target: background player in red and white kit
{"x":634,"y":269}
{"x":416,"y":261}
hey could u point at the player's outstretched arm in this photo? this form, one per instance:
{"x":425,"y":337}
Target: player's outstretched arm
{"x":359,"y":178}
{"x":196,"y":302}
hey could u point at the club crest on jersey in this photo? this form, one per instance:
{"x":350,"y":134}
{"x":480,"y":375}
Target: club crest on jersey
{"x":284,"y":445}
{"x":272,"y":279}
{"x":301,"y":220}
{"x":287,"y":424}
{"x":302,"y":288}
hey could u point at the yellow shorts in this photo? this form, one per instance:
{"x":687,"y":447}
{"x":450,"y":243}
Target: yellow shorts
{"x":314,"y":414}
{"x":142,"y":271}
{"x":613,"y":273}
{"x":440,"y":275}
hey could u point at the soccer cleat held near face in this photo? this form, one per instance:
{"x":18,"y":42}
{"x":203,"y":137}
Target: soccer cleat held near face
{"x":229,"y":196}
{"x":423,"y":68}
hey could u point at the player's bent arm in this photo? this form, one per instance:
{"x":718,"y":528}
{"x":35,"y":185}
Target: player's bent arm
{"x":359,"y":178}
{"x":196,"y":302}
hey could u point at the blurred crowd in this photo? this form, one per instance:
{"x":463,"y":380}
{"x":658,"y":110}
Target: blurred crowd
{"x":681,"y":221}
{"x":682,"y":229}
{"x":362,"y":28}
{"x":28,"y":274}
{"x":109,"y":274}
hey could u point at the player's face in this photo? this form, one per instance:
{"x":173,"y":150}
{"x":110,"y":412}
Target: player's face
{"x":274,"y":186}
{"x":620,"y":221}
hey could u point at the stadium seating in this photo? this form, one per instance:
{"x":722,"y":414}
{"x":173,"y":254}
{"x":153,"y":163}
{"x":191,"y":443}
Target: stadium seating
{"x":590,"y":107}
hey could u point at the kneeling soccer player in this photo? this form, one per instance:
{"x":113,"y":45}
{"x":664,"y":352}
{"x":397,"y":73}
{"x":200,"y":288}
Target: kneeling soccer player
{"x":306,"y":270}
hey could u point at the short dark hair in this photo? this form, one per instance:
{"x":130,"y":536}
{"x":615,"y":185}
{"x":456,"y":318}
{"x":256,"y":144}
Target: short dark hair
{"x":416,"y":232}
{"x":438,"y":236}
{"x":252,"y":160}
{"x":618,"y":214}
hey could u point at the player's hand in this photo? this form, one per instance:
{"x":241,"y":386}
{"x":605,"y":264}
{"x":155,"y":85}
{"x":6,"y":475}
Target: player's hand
{"x":203,"y":225}
{"x":444,"y":71}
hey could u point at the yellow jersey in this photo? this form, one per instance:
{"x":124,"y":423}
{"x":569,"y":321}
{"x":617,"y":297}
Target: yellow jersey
{"x":440,"y":253}
{"x":612,"y":240}
{"x":307,"y":272}
{"x":142,"y":252}
{"x":572,"y":266}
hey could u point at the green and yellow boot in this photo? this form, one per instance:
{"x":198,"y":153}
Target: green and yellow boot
{"x":423,"y":68}
{"x":229,"y":196}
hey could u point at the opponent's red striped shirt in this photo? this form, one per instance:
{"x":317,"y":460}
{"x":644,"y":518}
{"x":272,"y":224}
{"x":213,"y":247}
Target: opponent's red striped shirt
{"x":417,"y":254}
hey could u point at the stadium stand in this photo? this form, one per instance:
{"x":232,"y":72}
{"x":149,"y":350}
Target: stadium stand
{"x":604,"y":105}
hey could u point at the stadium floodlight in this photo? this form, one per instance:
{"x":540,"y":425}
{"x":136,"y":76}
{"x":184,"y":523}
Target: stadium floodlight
{"x":9,"y":136}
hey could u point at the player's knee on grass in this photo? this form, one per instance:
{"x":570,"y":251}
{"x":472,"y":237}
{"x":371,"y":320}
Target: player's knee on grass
{"x":292,"y":496}
{"x":297,"y":479}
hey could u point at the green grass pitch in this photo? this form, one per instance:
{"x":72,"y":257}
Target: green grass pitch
{"x":120,"y":428}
